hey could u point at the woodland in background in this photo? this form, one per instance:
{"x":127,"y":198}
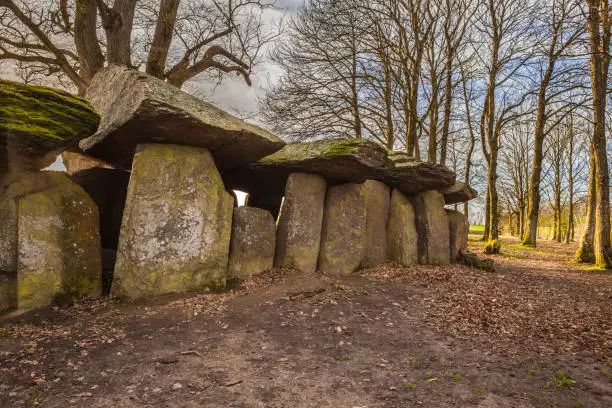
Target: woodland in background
{"x":509,"y":94}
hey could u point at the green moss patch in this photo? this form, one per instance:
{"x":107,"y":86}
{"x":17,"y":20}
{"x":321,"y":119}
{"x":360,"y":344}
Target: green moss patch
{"x":43,"y":118}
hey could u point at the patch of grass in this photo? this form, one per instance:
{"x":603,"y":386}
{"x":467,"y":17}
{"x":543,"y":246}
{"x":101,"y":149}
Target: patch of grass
{"x":605,"y":372}
{"x":478,"y":228}
{"x":457,"y":377}
{"x":560,"y":380}
{"x":348,"y":357}
{"x":4,"y":333}
{"x":479,"y":391}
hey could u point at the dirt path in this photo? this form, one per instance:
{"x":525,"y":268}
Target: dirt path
{"x":536,"y":334}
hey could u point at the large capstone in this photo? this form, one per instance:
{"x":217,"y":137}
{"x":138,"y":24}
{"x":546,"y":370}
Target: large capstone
{"x":298,"y":234}
{"x":458,"y":229}
{"x":402,"y":237}
{"x":343,"y":238}
{"x":50,"y":241}
{"x":432,"y":227}
{"x":137,"y":108}
{"x":377,"y":196}
{"x":37,"y":123}
{"x":176,"y":225}
{"x":340,"y":161}
{"x":253,"y":242}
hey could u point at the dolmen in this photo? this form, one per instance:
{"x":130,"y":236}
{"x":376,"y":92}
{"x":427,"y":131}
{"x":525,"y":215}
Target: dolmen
{"x":151,"y":188}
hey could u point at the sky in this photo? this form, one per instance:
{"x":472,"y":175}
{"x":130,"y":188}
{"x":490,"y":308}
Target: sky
{"x":234,"y":95}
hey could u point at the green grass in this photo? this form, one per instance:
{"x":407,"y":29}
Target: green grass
{"x":477,"y":229}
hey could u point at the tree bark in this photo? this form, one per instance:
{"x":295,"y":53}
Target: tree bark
{"x":86,"y":39}
{"x":156,"y":61}
{"x":586,"y":252}
{"x":599,"y":19}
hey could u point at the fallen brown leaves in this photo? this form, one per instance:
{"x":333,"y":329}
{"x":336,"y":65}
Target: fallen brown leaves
{"x":515,"y":309}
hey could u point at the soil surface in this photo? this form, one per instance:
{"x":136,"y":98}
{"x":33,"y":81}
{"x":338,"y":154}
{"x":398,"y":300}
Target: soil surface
{"x":537,"y":333}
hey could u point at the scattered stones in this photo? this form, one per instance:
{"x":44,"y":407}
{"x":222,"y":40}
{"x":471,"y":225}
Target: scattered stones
{"x":402,"y":237}
{"x":137,"y":108}
{"x":432,"y":228}
{"x":378,"y":197}
{"x":176,"y":226}
{"x":343,"y":237}
{"x":252,"y":243}
{"x":50,"y":241}
{"x":458,"y":231}
{"x":298,"y":233}
{"x":36,"y":123}
{"x":340,"y":161}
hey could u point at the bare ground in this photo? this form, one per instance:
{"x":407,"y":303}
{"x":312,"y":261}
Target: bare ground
{"x":538,"y":333}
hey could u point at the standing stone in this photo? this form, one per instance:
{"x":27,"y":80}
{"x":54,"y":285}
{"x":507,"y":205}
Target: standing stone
{"x":298,"y":234}
{"x":343,"y":238}
{"x":458,"y":229}
{"x":402,"y":236}
{"x":176,"y":226}
{"x":253,"y":242}
{"x":432,"y":227}
{"x":378,"y":198}
{"x":52,"y":245}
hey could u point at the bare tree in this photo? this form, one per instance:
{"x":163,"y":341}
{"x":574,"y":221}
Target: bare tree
{"x":560,"y":32}
{"x":179,"y":40}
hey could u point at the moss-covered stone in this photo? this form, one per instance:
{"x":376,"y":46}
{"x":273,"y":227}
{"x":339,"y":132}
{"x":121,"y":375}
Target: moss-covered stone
{"x":36,"y":123}
{"x":432,"y":227}
{"x":344,"y":234}
{"x":340,"y":160}
{"x":298,"y":233}
{"x":53,"y":244}
{"x":377,"y":196}
{"x":176,"y":227}
{"x":253,"y":242}
{"x":458,"y":233}
{"x":402,"y":238}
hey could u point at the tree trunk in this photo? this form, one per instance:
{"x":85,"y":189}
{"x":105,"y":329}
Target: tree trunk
{"x":156,"y":61}
{"x":586,"y":252}
{"x":86,"y":40}
{"x":118,"y":28}
{"x":599,"y":63}
{"x":448,"y":96}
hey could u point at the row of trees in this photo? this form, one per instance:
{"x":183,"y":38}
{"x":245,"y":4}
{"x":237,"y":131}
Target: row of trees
{"x":437,"y":79}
